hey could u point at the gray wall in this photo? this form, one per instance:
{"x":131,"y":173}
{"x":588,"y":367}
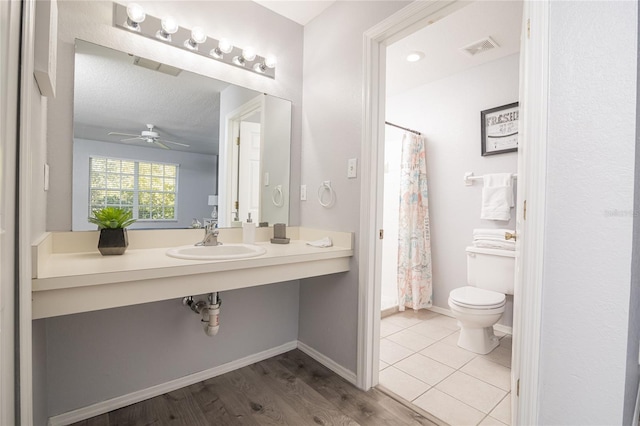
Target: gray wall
{"x":95,"y":356}
{"x":99,"y":355}
{"x":447,"y":112}
{"x":197,"y":177}
{"x":590,"y":174}
{"x":331,"y":135}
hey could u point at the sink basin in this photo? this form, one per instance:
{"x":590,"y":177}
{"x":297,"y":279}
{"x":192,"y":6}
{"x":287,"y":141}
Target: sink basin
{"x":221,"y":252}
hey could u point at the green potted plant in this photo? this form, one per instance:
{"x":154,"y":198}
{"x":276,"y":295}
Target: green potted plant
{"x":112,"y":223}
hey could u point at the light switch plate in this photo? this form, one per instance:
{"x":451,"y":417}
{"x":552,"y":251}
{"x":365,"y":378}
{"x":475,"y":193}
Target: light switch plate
{"x":352,"y":168}
{"x":303,"y":192}
{"x":266,"y":178}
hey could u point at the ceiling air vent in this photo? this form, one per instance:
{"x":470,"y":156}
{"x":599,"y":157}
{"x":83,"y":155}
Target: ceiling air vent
{"x":156,"y":66}
{"x":480,"y":46}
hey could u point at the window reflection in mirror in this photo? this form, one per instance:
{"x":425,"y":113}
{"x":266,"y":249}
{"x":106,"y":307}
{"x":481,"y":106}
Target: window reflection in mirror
{"x":132,"y":114}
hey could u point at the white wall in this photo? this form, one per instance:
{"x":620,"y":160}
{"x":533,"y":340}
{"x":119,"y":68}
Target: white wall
{"x":633,"y":336}
{"x":447,"y":113}
{"x":9,"y":101}
{"x":590,"y":175}
{"x":390,"y":217}
{"x":332,"y":125}
{"x":197,"y":177}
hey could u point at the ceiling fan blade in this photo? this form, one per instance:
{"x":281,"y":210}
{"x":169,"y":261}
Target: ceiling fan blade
{"x":120,"y":134}
{"x":175,"y":143}
{"x":131,"y":139}
{"x":161,"y":145}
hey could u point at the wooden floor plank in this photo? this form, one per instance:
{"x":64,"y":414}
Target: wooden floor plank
{"x":310,"y":405}
{"x":265,"y":407}
{"x":213,"y":406}
{"x":368,"y":408}
{"x":289,"y":389}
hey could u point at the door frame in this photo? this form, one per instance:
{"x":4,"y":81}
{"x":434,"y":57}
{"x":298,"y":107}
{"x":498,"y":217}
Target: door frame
{"x":227,"y":156}
{"x":531,"y":184}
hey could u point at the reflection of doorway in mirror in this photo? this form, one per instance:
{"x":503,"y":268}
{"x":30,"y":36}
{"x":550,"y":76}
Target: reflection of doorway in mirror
{"x":249,"y":166}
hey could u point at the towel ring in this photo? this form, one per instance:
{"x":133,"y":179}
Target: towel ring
{"x":326,"y":187}
{"x":277,"y":196}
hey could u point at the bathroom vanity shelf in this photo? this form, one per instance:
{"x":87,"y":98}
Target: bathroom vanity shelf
{"x":70,"y":275}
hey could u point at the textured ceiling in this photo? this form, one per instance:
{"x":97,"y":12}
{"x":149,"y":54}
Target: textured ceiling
{"x":441,"y":42}
{"x":113,"y":95}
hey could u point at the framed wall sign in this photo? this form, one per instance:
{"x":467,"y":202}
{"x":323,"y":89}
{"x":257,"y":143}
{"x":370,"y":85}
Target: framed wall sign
{"x":500,"y":129}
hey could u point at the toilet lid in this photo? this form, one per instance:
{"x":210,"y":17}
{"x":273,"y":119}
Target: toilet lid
{"x":476,"y":297}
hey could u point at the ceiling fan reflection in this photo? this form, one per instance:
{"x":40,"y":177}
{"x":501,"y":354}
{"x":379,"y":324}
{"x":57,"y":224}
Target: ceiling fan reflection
{"x":149,"y":136}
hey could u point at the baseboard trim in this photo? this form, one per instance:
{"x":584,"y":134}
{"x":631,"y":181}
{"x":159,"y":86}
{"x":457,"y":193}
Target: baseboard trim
{"x":348,"y":375}
{"x":389,"y":311}
{"x":143,"y":394}
{"x":500,"y":327}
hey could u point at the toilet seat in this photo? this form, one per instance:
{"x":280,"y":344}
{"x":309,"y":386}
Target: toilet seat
{"x":476,"y":298}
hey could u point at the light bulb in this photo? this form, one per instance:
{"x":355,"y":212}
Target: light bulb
{"x":198,"y":35}
{"x":270,"y":61}
{"x":135,"y":15}
{"x":169,"y":26}
{"x":225,"y":45}
{"x":248,"y":53}
{"x":135,"y":12}
{"x":415,"y":56}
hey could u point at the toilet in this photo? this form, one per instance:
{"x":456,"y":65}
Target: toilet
{"x":480,"y":304}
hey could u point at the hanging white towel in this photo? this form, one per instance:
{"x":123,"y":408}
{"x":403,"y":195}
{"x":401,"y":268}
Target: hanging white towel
{"x":497,"y":197}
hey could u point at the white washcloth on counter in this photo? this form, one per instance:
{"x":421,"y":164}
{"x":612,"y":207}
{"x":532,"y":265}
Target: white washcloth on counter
{"x":323,"y":242}
{"x":497,"y":196}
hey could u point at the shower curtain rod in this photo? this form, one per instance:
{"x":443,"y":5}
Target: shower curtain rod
{"x":403,"y":128}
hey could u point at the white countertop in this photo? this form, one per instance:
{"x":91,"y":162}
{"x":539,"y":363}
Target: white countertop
{"x":70,"y":282}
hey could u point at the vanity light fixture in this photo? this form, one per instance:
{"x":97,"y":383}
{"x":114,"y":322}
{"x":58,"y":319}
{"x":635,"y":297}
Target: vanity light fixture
{"x":224,"y":46}
{"x":195,"y":40}
{"x":248,"y":55}
{"x":135,"y":15}
{"x":197,"y":37}
{"x":169,"y":26}
{"x":269,"y":62}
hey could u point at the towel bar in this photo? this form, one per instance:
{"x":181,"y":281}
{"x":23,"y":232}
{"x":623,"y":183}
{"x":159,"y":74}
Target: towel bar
{"x":469,"y":178}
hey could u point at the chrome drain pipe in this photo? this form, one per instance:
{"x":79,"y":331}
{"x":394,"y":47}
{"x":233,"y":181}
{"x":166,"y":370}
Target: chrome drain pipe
{"x":210,"y":312}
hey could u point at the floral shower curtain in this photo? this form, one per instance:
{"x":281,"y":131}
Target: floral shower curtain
{"x":414,"y":241}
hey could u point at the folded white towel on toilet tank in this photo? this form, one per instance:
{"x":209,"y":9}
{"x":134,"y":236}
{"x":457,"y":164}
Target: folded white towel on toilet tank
{"x":497,"y":196}
{"x":491,"y":234}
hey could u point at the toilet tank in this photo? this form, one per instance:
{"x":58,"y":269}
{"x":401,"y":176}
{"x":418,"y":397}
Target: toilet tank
{"x":491,"y":269}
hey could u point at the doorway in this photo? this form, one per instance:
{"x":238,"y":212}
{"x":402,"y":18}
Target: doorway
{"x":531,"y":159}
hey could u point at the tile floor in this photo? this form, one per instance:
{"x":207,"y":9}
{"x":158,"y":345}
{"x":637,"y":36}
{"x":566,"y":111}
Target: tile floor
{"x":421,"y":362}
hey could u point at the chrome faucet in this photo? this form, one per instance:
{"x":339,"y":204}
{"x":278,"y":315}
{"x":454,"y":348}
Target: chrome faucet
{"x":210,"y":235}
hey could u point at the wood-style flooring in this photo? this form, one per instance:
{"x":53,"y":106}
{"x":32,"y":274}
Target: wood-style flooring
{"x":289,"y":389}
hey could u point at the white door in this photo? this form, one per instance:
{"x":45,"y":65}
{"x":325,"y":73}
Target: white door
{"x":249,"y":166}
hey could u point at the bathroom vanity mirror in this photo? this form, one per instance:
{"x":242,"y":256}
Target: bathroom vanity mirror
{"x":163,"y":142}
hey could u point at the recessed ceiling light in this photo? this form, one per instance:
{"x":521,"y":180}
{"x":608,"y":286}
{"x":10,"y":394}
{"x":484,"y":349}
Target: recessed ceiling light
{"x":415,"y":56}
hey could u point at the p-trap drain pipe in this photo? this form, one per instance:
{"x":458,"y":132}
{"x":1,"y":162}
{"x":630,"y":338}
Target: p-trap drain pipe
{"x":210,"y":312}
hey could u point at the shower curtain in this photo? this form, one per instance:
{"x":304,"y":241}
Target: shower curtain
{"x":414,"y":242}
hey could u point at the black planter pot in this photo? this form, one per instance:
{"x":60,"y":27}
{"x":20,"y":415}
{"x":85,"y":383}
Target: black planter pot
{"x":113,"y":241}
